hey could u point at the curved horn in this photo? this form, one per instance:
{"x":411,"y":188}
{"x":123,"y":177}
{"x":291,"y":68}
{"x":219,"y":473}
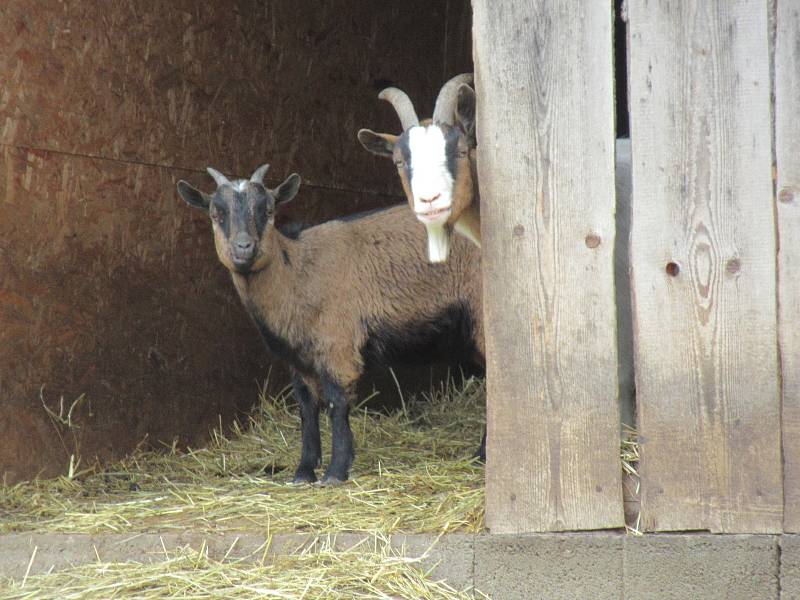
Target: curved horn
{"x":218,"y":177}
{"x":402,"y":105}
{"x":258,"y":176}
{"x":446,"y":100}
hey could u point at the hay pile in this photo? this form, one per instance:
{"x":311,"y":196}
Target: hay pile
{"x":412,"y":473}
{"x":318,"y":572}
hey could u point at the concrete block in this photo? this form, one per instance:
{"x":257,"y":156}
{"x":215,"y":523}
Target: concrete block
{"x":550,"y":566}
{"x":449,"y":557}
{"x":680,"y":566}
{"x":790,"y":567}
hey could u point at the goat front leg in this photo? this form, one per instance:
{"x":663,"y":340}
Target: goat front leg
{"x":311,"y":453}
{"x":342,"y":452}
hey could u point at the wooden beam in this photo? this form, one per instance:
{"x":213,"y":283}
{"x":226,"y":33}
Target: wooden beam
{"x":787,"y":155}
{"x":703,"y":266}
{"x":544,"y":82}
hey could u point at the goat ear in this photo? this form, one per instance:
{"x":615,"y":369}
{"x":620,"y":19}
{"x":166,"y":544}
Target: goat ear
{"x":193,"y":197}
{"x":287,"y":190}
{"x":381,"y":144}
{"x":465,"y":110}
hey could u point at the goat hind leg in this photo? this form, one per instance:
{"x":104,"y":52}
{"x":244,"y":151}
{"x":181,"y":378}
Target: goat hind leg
{"x":311,"y":453}
{"x":342,"y":452}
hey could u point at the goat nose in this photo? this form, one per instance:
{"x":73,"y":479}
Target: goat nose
{"x":244,"y":243}
{"x":431,"y":199}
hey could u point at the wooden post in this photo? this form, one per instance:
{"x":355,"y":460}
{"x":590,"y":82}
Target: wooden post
{"x":787,"y":155}
{"x":703,"y":266}
{"x":544,"y":83}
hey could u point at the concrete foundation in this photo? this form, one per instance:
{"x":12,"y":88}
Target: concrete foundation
{"x":591,"y":565}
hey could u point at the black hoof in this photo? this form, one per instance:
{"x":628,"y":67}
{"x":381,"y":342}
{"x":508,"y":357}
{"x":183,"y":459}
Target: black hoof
{"x":334,"y":477}
{"x":304,"y":476}
{"x":331,"y":481}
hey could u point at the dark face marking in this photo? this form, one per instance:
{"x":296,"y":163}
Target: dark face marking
{"x":404,"y":152}
{"x":452,"y":137}
{"x":241,"y":213}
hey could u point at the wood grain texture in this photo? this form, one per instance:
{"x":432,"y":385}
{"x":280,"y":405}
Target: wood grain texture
{"x":546,"y":167}
{"x":703,"y":266}
{"x":787,"y":155}
{"x":181,"y":83}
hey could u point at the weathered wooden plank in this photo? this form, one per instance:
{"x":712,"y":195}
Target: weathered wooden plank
{"x":703,"y":266}
{"x":546,"y":167}
{"x":787,"y":155}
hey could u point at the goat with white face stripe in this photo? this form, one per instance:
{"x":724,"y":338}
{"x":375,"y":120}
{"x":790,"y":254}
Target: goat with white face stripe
{"x":436,"y":162}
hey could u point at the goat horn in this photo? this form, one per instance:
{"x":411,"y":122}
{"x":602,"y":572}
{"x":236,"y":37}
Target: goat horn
{"x":445,"y":107}
{"x":402,"y":104}
{"x":218,"y":177}
{"x":258,"y":176}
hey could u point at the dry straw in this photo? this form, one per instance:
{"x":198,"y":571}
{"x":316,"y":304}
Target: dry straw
{"x":413,"y":473}
{"x":375,"y":571}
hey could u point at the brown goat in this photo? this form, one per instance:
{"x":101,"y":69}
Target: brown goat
{"x":339,"y":297}
{"x":436,"y":162}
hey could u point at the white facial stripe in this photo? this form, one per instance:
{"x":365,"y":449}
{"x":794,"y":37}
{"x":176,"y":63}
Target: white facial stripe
{"x":429,"y":174}
{"x":240,"y":184}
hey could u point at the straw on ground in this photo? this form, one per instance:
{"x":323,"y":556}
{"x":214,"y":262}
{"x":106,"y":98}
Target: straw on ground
{"x":413,"y":473}
{"x":318,"y":572}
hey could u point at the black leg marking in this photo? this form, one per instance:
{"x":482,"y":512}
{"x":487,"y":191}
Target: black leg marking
{"x":342,"y":452}
{"x":311,"y":454}
{"x":480,"y":453}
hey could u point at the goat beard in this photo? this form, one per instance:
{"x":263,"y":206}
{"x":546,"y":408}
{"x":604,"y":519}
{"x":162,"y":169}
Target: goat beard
{"x":438,"y":242}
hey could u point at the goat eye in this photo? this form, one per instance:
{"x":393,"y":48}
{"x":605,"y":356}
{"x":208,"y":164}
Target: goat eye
{"x":399,"y":163}
{"x":462,"y":153}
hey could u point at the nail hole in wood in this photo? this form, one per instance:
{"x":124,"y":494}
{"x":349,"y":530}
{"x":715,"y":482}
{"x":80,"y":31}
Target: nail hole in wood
{"x":786,"y":195}
{"x":592,"y":240}
{"x":673,"y":269}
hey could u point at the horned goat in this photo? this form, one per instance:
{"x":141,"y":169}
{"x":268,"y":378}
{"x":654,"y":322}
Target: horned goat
{"x":341,"y":296}
{"x":436,"y":161}
{"x":437,"y":164}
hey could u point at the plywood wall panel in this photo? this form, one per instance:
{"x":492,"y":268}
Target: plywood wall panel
{"x":183,"y":83}
{"x":134,"y":313}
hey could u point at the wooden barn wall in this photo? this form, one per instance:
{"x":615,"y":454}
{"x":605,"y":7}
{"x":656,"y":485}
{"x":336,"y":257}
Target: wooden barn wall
{"x":703,"y":250}
{"x":109,"y":286}
{"x":544,"y":82}
{"x":787,"y":159}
